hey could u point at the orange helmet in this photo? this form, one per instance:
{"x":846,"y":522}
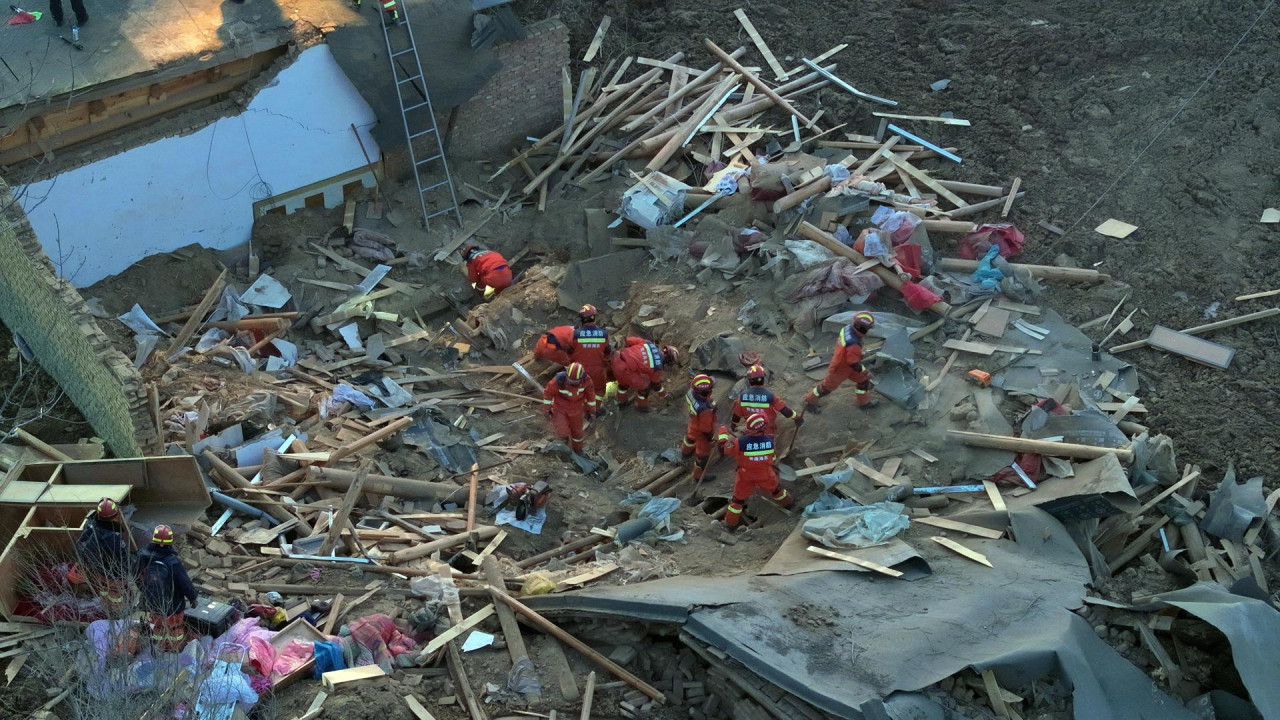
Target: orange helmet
{"x":702,"y":384}
{"x":756,"y":372}
{"x":574,"y":373}
{"x":864,"y":321}
{"x":163,"y":535}
{"x":587,"y":311}
{"x":670,"y":356}
{"x":757,"y":422}
{"x":107,"y":508}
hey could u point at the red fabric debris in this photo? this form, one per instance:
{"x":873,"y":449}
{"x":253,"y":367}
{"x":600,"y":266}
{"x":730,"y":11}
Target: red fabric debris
{"x":975,"y":244}
{"x":910,"y":257}
{"x":918,"y":297}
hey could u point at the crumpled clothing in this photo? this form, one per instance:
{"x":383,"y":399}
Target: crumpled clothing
{"x":838,"y":277}
{"x":224,"y":688}
{"x":917,"y":296}
{"x":1004,"y":236}
{"x":328,"y":657}
{"x":379,"y":641}
{"x":372,"y":245}
{"x":247,"y":633}
{"x":295,"y":655}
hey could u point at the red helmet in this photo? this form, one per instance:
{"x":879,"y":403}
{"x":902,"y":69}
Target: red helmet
{"x":669,"y":355}
{"x":107,"y":508}
{"x":702,"y":384}
{"x":163,"y":535}
{"x":587,"y":311}
{"x":864,"y":321}
{"x":574,"y":373}
{"x":756,"y":372}
{"x":757,"y":422}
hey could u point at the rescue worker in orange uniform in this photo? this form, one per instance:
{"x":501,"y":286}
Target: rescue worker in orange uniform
{"x":638,"y":369}
{"x":846,"y":364}
{"x":103,"y":555}
{"x":758,"y":398}
{"x":569,"y":398}
{"x":702,"y":423}
{"x":591,"y":348}
{"x":556,"y":345}
{"x":486,"y":269}
{"x":754,"y":452}
{"x":166,"y":590}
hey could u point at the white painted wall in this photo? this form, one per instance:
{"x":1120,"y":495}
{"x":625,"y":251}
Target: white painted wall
{"x":200,"y":188}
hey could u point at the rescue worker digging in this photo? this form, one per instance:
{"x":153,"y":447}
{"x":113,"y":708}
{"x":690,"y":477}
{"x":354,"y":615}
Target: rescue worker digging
{"x":556,"y":345}
{"x":486,"y":269}
{"x":846,"y":364}
{"x":166,"y":590}
{"x":591,"y":348}
{"x":702,"y":424}
{"x":103,"y":555}
{"x":638,"y":369}
{"x":569,"y":398}
{"x":755,"y":454}
{"x":756,"y":398}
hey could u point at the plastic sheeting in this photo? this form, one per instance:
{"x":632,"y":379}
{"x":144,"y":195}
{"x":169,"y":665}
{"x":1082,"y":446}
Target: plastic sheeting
{"x":839,"y":523}
{"x":1253,"y":629}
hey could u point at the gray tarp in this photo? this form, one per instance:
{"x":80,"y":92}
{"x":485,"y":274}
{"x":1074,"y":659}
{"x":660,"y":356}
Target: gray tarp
{"x":892,"y":636}
{"x":1253,"y":629}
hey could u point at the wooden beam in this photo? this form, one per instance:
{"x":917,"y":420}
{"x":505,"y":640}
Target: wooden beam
{"x":340,"y":518}
{"x":506,"y":616}
{"x":760,"y":85}
{"x":552,"y":629}
{"x":457,"y":630}
{"x":956,"y":525}
{"x":41,"y":446}
{"x":1047,"y":272}
{"x":1202,"y":329}
{"x":1043,"y":447}
{"x":376,"y":436}
{"x":594,"y":48}
{"x":589,"y":698}
{"x":1013,"y":194}
{"x":197,"y":316}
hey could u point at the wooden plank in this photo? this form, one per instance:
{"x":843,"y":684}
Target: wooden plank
{"x":993,"y":493}
{"x":1191,"y":347}
{"x":590,"y":696}
{"x":197,"y":316}
{"x":1018,"y":307}
{"x":1013,"y":194}
{"x":1190,"y":477}
{"x":874,"y":475}
{"x":1209,"y":327}
{"x":924,"y":455}
{"x":968,"y":529}
{"x":817,"y":61}
{"x":457,"y":630}
{"x":929,"y":182}
{"x":335,"y":678}
{"x":956,"y":547}
{"x":772,"y":61}
{"x":979,"y":348}
{"x":586,"y":577}
{"x":773,"y":96}
{"x":315,"y":708}
{"x":994,"y":695}
{"x":993,"y":322}
{"x":865,"y":564}
{"x":416,"y":708}
{"x":923,"y":118}
{"x":334,"y":610}
{"x":598,"y":40}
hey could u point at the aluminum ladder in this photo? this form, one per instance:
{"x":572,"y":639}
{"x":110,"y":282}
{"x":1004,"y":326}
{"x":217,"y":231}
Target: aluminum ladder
{"x":421,"y":131}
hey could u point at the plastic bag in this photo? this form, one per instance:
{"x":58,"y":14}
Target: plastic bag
{"x":523,"y":679}
{"x":857,"y":525}
{"x":1007,"y":238}
{"x":537,"y":584}
{"x":660,"y":510}
{"x":917,"y":296}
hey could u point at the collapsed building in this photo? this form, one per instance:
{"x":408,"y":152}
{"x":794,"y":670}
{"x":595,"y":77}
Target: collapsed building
{"x":237,"y":254}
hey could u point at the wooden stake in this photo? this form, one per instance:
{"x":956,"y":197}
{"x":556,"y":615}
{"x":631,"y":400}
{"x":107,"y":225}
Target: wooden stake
{"x":506,"y":617}
{"x":598,"y":40}
{"x":472,"y":485}
{"x":564,"y":637}
{"x":866,"y":564}
{"x":956,"y":547}
{"x":334,"y":610}
{"x":590,"y":696}
{"x":1013,"y":193}
{"x":364,"y":442}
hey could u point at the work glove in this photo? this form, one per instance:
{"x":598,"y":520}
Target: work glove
{"x":666,"y":395}
{"x":799,"y":420}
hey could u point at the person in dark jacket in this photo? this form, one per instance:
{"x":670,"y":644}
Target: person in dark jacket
{"x":103,"y":555}
{"x":166,"y":590}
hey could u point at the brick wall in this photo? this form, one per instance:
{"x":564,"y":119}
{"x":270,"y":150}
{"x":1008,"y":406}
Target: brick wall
{"x":523,"y":98}
{"x":52,"y":318}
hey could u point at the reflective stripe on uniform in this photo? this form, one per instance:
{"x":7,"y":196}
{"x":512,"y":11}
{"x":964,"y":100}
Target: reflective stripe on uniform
{"x":548,"y":402}
{"x":755,"y":405}
{"x":758,"y":453}
{"x":858,"y":391}
{"x":688,"y":442}
{"x":734,"y":510}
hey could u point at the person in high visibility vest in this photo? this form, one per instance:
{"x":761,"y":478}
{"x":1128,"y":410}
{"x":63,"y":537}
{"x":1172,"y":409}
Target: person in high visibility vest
{"x":846,"y":364}
{"x":756,"y":458}
{"x":569,"y":398}
{"x":591,"y":348}
{"x":702,"y":422}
